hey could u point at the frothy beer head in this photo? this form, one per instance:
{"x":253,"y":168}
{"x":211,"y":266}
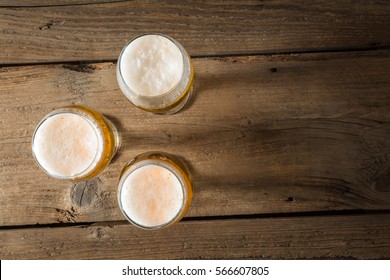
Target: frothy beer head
{"x":152,"y":195}
{"x":66,"y":145}
{"x":151,"y":65}
{"x":155,"y":73}
{"x":154,"y":191}
{"x":74,"y":143}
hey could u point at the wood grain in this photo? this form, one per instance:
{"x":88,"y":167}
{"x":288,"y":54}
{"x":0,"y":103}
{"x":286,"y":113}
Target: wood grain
{"x":99,"y":31}
{"x":264,"y":134}
{"x":334,"y":237}
{"x":50,"y":3}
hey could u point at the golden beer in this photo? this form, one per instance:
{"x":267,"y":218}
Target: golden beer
{"x":155,"y":73}
{"x":155,"y":190}
{"x":74,"y":143}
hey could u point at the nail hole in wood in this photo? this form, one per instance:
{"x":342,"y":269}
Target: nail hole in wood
{"x":289,"y":199}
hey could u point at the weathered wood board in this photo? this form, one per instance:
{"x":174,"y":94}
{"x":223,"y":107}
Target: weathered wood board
{"x":67,"y":32}
{"x":322,"y":237}
{"x":263,"y":134}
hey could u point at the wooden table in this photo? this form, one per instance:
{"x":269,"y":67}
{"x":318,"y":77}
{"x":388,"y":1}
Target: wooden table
{"x":287,"y":137}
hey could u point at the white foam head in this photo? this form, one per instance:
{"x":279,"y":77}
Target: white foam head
{"x":151,"y":65}
{"x":67,"y":144}
{"x":151,"y":195}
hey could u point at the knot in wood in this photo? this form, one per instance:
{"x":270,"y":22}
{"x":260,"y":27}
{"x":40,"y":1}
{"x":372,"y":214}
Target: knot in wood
{"x":85,"y":193}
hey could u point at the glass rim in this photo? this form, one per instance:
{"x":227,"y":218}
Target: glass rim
{"x":76,"y":110}
{"x":132,"y":166}
{"x":186,"y":62}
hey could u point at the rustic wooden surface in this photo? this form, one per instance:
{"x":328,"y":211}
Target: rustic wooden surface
{"x":99,"y":31}
{"x":352,"y":237}
{"x":51,"y":3}
{"x":281,"y":141}
{"x":287,"y":136}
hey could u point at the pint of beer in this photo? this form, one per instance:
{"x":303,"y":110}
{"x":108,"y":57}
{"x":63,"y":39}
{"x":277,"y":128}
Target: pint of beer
{"x":155,"y":73}
{"x":155,"y":190}
{"x":74,"y":143}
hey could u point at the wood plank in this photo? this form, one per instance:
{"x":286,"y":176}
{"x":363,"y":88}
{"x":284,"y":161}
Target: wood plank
{"x":264,"y":134}
{"x":49,"y":3}
{"x":99,"y":31}
{"x":332,"y":237}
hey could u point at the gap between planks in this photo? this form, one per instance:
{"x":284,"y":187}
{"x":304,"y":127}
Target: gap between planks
{"x":211,"y":218}
{"x":349,"y":51}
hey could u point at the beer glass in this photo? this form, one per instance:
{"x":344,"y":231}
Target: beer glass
{"x":74,"y":143}
{"x":155,"y":190}
{"x":155,"y":73}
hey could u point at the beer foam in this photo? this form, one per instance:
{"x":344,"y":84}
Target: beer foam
{"x":151,"y":195}
{"x":151,"y":65}
{"x":66,"y":145}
